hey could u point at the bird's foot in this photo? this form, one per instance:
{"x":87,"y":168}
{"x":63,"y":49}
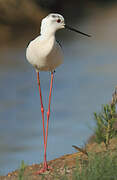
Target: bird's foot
{"x":45,"y":169}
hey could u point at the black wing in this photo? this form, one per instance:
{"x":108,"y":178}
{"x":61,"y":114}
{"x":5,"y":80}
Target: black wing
{"x":59,"y":43}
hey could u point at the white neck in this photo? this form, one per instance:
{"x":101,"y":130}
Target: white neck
{"x":47,"y":30}
{"x":47,"y":36}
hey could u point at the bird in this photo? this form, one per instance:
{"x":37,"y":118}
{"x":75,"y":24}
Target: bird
{"x":44,"y":53}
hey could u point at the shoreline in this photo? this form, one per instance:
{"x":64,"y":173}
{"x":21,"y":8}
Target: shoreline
{"x":66,"y":163}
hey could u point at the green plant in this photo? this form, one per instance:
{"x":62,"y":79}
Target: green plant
{"x":21,"y":171}
{"x":105,"y":120}
{"x":99,"y":166}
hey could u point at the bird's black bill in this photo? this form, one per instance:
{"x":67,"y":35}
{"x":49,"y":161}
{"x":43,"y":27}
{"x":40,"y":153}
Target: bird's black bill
{"x":75,"y":30}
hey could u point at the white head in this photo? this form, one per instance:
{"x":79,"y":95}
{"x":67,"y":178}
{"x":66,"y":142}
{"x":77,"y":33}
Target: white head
{"x":52,"y":23}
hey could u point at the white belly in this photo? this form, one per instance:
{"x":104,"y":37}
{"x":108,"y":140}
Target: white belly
{"x":44,"y":56}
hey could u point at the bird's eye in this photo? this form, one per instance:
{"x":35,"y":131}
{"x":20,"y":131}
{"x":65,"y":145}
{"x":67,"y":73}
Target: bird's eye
{"x":58,"y":20}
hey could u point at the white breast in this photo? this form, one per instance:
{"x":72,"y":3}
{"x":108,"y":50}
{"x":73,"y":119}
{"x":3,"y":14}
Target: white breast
{"x":44,"y":54}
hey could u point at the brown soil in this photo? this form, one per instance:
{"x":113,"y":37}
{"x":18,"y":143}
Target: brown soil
{"x":60,"y":166}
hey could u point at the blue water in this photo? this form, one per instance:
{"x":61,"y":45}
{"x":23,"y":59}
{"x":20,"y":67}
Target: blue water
{"x":84,"y":82}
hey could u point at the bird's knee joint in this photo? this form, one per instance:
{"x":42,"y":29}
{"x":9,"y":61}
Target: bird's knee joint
{"x":42,"y":110}
{"x":48,"y":113}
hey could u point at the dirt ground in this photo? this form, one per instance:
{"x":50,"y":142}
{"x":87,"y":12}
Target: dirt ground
{"x":60,"y":166}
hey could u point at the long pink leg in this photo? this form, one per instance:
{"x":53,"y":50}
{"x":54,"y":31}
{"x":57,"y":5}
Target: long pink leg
{"x":42,"y":108}
{"x":46,"y":167}
{"x":48,"y":116}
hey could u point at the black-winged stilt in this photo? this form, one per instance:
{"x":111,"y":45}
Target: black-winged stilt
{"x":45,"y":54}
